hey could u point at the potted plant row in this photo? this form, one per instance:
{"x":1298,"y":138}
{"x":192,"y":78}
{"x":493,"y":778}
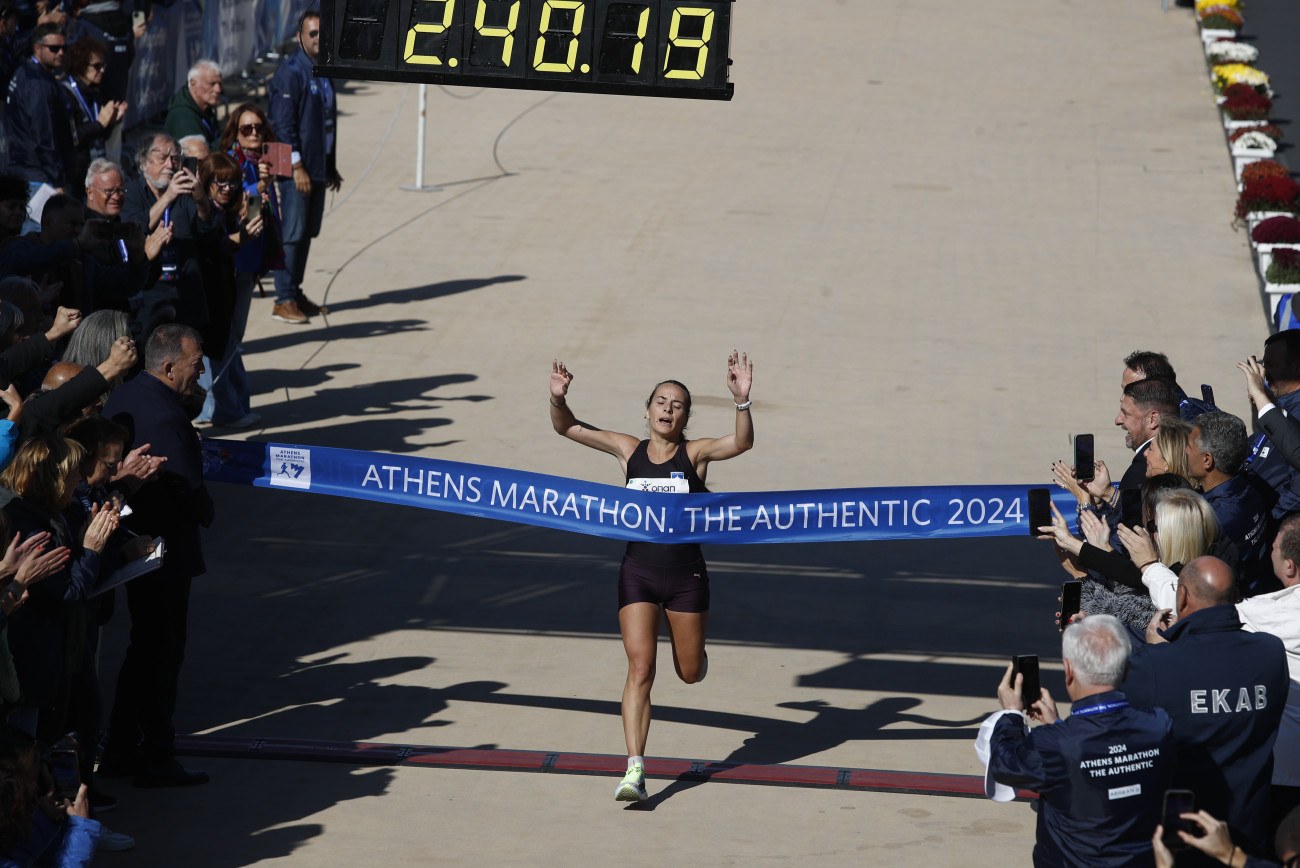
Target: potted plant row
{"x":1281,"y":232}
{"x":1268,"y":197}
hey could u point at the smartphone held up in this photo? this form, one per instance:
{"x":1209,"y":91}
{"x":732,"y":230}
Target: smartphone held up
{"x":1027,"y":665}
{"x":1040,"y":509}
{"x":1085,"y":467}
{"x":278,"y":157}
{"x":1071,"y":600}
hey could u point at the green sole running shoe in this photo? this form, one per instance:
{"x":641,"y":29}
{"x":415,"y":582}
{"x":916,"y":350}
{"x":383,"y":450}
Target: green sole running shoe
{"x":632,"y":787}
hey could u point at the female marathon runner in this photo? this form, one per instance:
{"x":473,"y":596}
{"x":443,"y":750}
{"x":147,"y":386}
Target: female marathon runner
{"x":654,"y":575}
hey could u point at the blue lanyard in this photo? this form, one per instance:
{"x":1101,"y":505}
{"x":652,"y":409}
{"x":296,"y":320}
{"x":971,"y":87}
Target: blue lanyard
{"x":1254,"y":447}
{"x":72,"y":85}
{"x":1099,"y":709}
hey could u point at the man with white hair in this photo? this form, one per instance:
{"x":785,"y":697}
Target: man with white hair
{"x":105,"y":189}
{"x":195,"y":146}
{"x":1101,"y":773}
{"x":193,"y":109}
{"x":166,"y":195}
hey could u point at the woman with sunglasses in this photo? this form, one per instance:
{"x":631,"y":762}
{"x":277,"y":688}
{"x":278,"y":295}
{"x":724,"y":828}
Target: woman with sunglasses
{"x":247,"y":131}
{"x":93,"y":122}
{"x":222,"y":179}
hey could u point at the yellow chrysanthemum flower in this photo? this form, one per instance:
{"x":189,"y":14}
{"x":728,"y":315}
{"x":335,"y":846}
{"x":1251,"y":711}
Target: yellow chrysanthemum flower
{"x":1232,"y":73}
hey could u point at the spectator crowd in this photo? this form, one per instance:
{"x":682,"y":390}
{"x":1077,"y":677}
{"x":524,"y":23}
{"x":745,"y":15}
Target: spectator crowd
{"x":1183,"y":742}
{"x":128,"y":266}
{"x":174,"y":224}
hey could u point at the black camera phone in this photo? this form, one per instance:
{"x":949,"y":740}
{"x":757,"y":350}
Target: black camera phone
{"x":1027,"y":665}
{"x":254,"y":201}
{"x":1207,"y":393}
{"x":62,"y":758}
{"x":1084,"y":465}
{"x":1071,"y":600}
{"x":1179,"y":802}
{"x":191,"y":165}
{"x":1040,"y":509}
{"x":1130,"y":507}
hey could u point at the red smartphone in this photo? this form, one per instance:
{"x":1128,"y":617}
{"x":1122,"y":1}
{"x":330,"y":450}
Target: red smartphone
{"x":278,"y":157}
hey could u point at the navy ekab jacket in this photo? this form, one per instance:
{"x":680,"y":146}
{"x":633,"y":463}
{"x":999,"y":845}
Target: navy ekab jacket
{"x":1225,"y":690}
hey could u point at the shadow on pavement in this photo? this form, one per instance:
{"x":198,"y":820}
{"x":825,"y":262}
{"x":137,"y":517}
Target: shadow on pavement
{"x":367,"y":413}
{"x":421,"y":293}
{"x":285,"y":632}
{"x":314,"y":333}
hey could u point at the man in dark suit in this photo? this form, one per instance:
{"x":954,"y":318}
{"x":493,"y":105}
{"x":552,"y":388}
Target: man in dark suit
{"x":1140,"y":409}
{"x":173,"y":506}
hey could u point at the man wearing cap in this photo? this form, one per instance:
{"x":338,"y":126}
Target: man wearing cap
{"x":1101,"y":773}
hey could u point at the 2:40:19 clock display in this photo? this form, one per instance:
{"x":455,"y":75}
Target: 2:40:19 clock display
{"x":675,"y":48}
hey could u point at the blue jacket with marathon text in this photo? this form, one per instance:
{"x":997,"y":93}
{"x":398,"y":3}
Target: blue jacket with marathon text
{"x":1271,"y":467}
{"x":1225,"y":690}
{"x":1100,"y":774}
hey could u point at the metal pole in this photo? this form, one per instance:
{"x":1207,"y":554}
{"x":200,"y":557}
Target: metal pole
{"x":420,"y":120}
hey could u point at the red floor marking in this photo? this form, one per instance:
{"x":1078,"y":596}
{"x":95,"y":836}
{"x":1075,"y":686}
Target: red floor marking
{"x":369,"y":753}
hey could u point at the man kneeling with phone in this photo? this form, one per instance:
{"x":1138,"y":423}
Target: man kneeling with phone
{"x":1101,"y":773}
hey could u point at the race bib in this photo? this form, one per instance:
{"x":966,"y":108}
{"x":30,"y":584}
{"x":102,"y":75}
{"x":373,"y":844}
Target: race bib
{"x":676,"y":485}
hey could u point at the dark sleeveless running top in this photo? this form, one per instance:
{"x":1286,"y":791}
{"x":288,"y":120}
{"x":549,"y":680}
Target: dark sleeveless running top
{"x":639,"y":466}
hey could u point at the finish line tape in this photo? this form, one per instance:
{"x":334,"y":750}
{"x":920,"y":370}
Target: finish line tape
{"x":722,"y":518}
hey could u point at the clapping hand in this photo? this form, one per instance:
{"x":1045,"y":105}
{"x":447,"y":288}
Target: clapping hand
{"x":1064,"y":474}
{"x":103,"y":523}
{"x":138,"y":467}
{"x":157,"y":240}
{"x":1095,"y":531}
{"x":18,"y":549}
{"x":1139,"y":544}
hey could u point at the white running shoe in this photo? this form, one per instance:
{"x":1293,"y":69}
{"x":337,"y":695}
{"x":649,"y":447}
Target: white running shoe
{"x":113,"y":842}
{"x":632,"y":787}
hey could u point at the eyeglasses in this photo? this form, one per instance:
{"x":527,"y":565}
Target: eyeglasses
{"x":225,"y":185}
{"x":54,"y":48}
{"x":98,"y":67}
{"x":111,"y":192}
{"x":249,"y":129}
{"x":312,"y":34}
{"x":165,"y":156}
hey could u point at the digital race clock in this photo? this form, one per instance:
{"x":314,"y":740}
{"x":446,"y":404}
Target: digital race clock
{"x":674,"y":48}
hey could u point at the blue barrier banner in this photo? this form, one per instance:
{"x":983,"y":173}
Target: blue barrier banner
{"x":726,"y":518}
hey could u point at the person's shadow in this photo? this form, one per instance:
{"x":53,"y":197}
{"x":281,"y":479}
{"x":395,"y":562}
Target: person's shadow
{"x":785,"y":741}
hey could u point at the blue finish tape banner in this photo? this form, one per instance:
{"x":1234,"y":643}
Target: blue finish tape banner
{"x":726,"y":518}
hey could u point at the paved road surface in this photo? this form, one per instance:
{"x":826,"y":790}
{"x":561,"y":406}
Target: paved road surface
{"x":936,"y":227}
